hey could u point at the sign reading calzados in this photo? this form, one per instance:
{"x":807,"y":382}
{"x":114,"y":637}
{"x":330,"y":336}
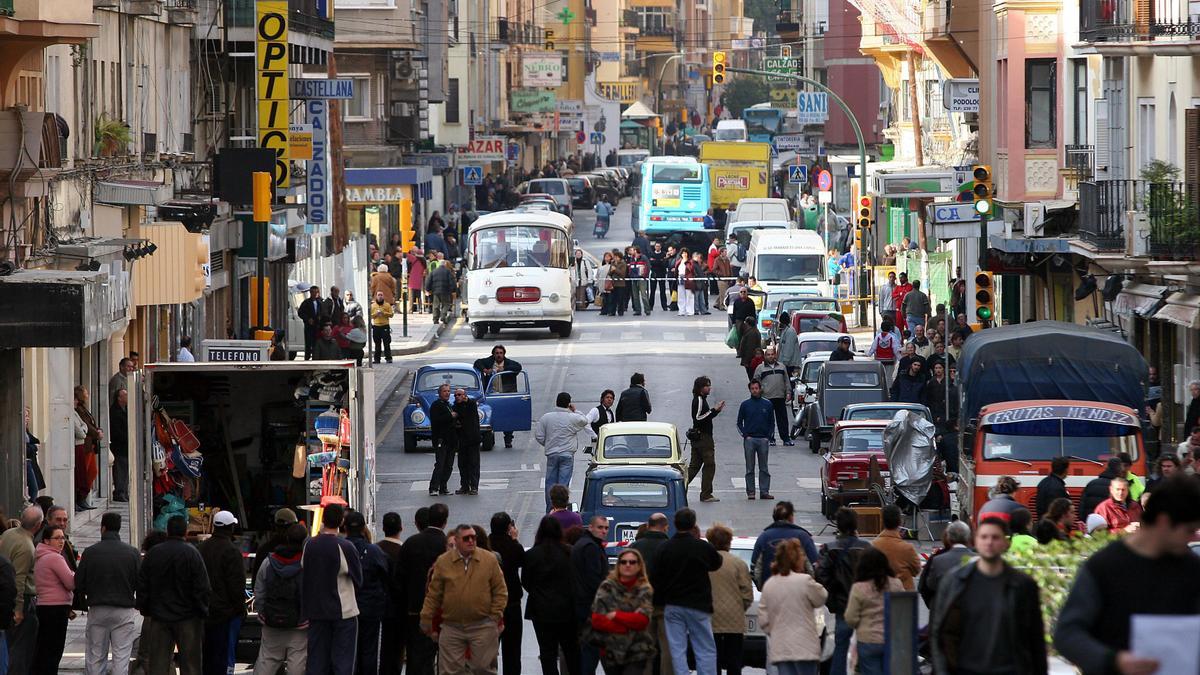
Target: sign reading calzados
{"x":541,"y":70}
{"x":483,"y":149}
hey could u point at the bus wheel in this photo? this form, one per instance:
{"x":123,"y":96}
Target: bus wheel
{"x":563,"y":329}
{"x":478,"y":330}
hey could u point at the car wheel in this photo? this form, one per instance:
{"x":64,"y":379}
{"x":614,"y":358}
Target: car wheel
{"x":489,"y":441}
{"x":563,"y":329}
{"x":494,"y":329}
{"x":410,"y":442}
{"x":478,"y":330}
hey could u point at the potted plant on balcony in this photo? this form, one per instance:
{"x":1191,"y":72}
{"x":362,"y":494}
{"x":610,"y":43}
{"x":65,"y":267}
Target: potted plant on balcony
{"x":112,"y":136}
{"x":1173,"y":209}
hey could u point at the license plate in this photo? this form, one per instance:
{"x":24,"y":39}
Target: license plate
{"x":751,"y":624}
{"x":517,"y":312}
{"x":626,"y":534}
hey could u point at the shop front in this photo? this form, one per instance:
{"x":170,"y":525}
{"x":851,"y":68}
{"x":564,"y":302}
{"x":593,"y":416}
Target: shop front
{"x":373,"y":196}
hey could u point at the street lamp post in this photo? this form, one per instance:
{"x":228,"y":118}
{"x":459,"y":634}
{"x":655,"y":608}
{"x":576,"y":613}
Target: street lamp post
{"x":661,"y":72}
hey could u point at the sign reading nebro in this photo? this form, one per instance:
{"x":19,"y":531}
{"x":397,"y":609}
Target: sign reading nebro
{"x":961,"y":95}
{"x":541,"y":70}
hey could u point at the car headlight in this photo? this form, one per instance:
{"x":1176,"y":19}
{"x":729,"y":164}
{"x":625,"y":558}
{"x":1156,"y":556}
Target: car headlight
{"x":482,"y":416}
{"x":418,"y":417}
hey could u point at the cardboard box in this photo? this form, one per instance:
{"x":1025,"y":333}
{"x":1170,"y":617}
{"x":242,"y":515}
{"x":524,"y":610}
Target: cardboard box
{"x":870,"y":520}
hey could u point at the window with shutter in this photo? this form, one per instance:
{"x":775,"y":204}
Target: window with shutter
{"x":1103,"y":147}
{"x":1191,"y":144}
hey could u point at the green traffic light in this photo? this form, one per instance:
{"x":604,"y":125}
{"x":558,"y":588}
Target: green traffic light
{"x":983,"y":313}
{"x":983,"y":206}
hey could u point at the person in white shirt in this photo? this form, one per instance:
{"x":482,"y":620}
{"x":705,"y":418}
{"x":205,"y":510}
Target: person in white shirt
{"x":185,"y":350}
{"x":556,"y":431}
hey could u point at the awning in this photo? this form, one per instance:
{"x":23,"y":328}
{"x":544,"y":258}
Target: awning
{"x":420,"y":176}
{"x":1182,"y":309}
{"x":132,"y":192}
{"x":1138,"y":299}
{"x":638,"y":111}
{"x":1023,"y":245}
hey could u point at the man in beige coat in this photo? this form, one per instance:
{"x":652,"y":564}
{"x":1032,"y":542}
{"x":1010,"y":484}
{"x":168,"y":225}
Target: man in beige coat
{"x":383,"y":282}
{"x":464,"y":607}
{"x":901,"y":554}
{"x":733,"y":593}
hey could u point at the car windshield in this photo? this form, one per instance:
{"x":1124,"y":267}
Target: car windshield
{"x":577,"y":185}
{"x":431,"y":380}
{"x":731,"y":134}
{"x":812,"y":305}
{"x":678,"y":173}
{"x":1048,"y":438}
{"x":809,"y":346}
{"x":550,"y":187}
{"x":634,"y":494}
{"x":637,"y":446}
{"x":631,"y":158}
{"x":520,"y":246}
{"x":874,"y":413}
{"x":788,"y":267}
{"x":817,"y":324}
{"x":812,"y":370}
{"x":861,"y":440}
{"x":852,"y":379}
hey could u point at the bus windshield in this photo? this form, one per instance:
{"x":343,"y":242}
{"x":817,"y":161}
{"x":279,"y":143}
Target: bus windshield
{"x":1042,"y":440}
{"x":788,"y":267}
{"x":520,"y":246}
{"x":678,"y":173}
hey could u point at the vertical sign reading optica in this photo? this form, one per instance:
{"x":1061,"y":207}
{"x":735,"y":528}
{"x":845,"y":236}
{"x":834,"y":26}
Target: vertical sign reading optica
{"x":318,"y":167}
{"x":271,"y":71}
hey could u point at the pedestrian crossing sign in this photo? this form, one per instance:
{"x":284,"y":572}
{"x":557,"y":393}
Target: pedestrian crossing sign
{"x":472,"y":175}
{"x":798,"y":173}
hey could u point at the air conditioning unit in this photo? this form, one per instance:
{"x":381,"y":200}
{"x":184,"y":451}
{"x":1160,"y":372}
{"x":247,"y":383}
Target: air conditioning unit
{"x":1137,"y":233}
{"x":403,"y":68}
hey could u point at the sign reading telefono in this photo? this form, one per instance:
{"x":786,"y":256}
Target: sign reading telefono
{"x":541,"y":70}
{"x":961,"y":95}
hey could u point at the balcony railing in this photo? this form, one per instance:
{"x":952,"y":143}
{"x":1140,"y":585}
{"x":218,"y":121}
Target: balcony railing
{"x":303,"y":17}
{"x":653,"y":30}
{"x":1080,"y":162}
{"x":1172,"y":209}
{"x":787,"y":20}
{"x":1136,"y":20}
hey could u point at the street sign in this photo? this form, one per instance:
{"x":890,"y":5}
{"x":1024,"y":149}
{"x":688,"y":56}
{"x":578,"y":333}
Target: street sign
{"x":482,"y":149}
{"x":513,"y":152}
{"x":597,"y":138}
{"x":784,"y":65}
{"x":825,"y":197}
{"x":952,"y":212}
{"x":798,"y":174}
{"x":342,"y":88}
{"x":472,"y":175}
{"x":961,"y":95}
{"x":812,"y":107}
{"x":824,"y":181}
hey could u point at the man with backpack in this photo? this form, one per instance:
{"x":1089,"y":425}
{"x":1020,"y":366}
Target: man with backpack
{"x":277,"y":602}
{"x":835,"y":571}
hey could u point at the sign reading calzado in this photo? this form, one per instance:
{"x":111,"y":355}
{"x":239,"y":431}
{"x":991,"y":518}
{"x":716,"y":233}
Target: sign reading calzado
{"x":271,"y":70}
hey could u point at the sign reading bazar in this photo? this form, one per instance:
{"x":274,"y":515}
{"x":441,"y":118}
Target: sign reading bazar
{"x":271,"y":77}
{"x":483,"y":149}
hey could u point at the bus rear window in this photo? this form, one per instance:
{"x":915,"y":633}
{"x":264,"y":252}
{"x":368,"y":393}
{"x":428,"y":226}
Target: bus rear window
{"x":851,"y":379}
{"x":678,"y":173}
{"x":1042,"y":440}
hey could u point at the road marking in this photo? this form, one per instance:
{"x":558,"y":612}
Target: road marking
{"x":805,"y":483}
{"x":631,"y":335}
{"x":402,"y":476}
{"x":484,"y":484}
{"x":673,"y":336}
{"x":715,"y":337}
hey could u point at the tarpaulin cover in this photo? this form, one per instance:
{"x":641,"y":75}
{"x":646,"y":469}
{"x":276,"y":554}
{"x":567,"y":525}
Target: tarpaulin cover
{"x":908,"y":445}
{"x":1049,"y":360}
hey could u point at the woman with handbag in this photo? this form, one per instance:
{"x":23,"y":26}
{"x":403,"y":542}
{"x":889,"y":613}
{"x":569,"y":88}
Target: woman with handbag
{"x":621,"y":617}
{"x":687,"y":284}
{"x":617,"y":275}
{"x":604,"y":285}
{"x":786,"y":612}
{"x":704,"y":460}
{"x":87,"y":444}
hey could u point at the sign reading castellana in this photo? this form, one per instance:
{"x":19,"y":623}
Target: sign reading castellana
{"x":271,"y":77}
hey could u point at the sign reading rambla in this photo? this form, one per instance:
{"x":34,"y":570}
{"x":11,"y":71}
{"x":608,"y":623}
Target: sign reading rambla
{"x":381,"y":194}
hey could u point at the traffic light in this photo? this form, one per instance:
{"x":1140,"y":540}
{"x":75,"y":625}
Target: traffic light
{"x":408,"y":236}
{"x":985,"y":297}
{"x":718,"y":67}
{"x":858,"y":235}
{"x":866,"y":211}
{"x":982,"y":190}
{"x":262,"y":185}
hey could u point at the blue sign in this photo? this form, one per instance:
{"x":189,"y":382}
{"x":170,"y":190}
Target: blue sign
{"x":304,"y":88}
{"x":512,"y":152}
{"x":812,"y":107}
{"x":798,"y":174}
{"x":597,"y":138}
{"x":472,"y":175}
{"x":317,"y":182}
{"x":953,"y":213}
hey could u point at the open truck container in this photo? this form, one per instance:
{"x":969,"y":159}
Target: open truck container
{"x":251,"y":421}
{"x":1043,"y":389}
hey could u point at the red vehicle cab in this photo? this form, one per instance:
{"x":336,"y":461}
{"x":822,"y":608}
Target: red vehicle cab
{"x":1020,"y":438}
{"x":845,"y":472}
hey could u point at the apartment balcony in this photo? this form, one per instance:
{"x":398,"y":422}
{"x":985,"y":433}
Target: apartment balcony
{"x":656,"y":40}
{"x":182,"y":12}
{"x":939,"y":40}
{"x":1139,"y":27}
{"x":29,"y":26}
{"x":1079,"y":164}
{"x":787,"y":23}
{"x":1159,"y":220}
{"x":306,"y":26}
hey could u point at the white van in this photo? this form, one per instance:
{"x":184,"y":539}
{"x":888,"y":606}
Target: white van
{"x":731,"y":130}
{"x":790,"y":261}
{"x":760,"y":208}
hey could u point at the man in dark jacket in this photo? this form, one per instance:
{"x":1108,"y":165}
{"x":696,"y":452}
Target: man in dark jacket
{"x":441,"y":288}
{"x":589,"y":566}
{"x":417,"y":556}
{"x":227,"y":577}
{"x":835,"y":571}
{"x":658,"y":275}
{"x":783,"y":527}
{"x":650,"y":542}
{"x":106,"y":582}
{"x":909,"y":386}
{"x":391,"y":640}
{"x":634,"y":404}
{"x":743,"y":308}
{"x":956,"y":552}
{"x":1096,"y":490}
{"x":118,"y":443}
{"x":441,"y":428}
{"x":309,"y":312}
{"x":332,"y":569}
{"x":503,"y":540}
{"x":174,"y":591}
{"x":988,"y":616}
{"x":284,"y":639}
{"x":466,"y":427}
{"x":499,"y":362}
{"x":372,"y":595}
{"x":1053,"y":486}
{"x":683,"y":589}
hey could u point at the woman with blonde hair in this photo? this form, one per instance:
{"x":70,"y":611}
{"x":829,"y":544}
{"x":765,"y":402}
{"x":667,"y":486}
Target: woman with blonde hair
{"x":786,"y":612}
{"x":621,"y":617}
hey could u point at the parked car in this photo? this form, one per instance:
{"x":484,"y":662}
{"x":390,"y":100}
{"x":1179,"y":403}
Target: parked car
{"x":629,"y":494}
{"x":842,"y":383}
{"x":531,"y":205}
{"x":808,"y":314}
{"x":604,"y":188}
{"x":504,"y":401}
{"x":845,"y":471}
{"x":643,"y":443}
{"x":583,"y":195}
{"x":882,"y":411}
{"x":804,"y":391}
{"x":557,"y":188}
{"x":820,"y":341}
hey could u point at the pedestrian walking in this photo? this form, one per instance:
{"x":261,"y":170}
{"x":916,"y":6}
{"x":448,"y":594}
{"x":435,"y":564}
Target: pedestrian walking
{"x":332,"y":568}
{"x":755,"y":422}
{"x":743,"y":307}
{"x":789,"y":345}
{"x":733,"y":593}
{"x":783,"y":526}
{"x":865,"y":608}
{"x":786,"y":612}
{"x":902,"y":289}
{"x":700,"y":283}
{"x":503,"y":540}
{"x":620,"y":617}
{"x":464,"y":607}
{"x":55,"y":584}
{"x":885,"y":302}
{"x":445,"y":441}
{"x":1149,"y":571}
{"x":371,"y":595}
{"x":916,"y":306}
{"x":722,"y":269}
{"x":589,"y":566}
{"x":581,"y":281}
{"x":442,"y":287}
{"x":955,"y":552}
{"x":683,"y":589}
{"x":17,"y":546}
{"x":604,"y":287}
{"x":603,"y":413}
{"x":749,"y":345}
{"x":776,"y":388}
{"x":417,"y":556}
{"x":546,"y":575}
{"x":174,"y":593}
{"x":909,"y":386}
{"x":835,"y":571}
{"x":988,"y":616}
{"x":885,"y":348}
{"x":618,"y":271}
{"x":639,"y":287}
{"x":634,"y":404}
{"x":227,"y":606}
{"x":468,"y":437}
{"x":704,"y":449}
{"x":416,"y":277}
{"x":277,"y":602}
{"x":106,"y":582}
{"x":685,"y":273}
{"x":383,"y":282}
{"x":557,"y":431}
{"x":560,"y":508}
{"x":1053,"y":486}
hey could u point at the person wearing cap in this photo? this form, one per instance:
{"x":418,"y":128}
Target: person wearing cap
{"x":309,"y":312}
{"x":284,"y":518}
{"x":383,"y":282}
{"x":842,"y":353}
{"x":227,"y":578}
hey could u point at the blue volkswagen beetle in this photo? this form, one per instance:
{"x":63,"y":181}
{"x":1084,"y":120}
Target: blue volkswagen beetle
{"x":503,"y":405}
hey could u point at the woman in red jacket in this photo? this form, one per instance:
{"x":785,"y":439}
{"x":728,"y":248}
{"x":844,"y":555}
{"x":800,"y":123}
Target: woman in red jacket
{"x":621,"y":617}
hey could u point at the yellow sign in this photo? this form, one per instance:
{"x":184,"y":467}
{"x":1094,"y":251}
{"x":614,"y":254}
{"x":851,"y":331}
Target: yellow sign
{"x":270,"y":67}
{"x":300,"y":141}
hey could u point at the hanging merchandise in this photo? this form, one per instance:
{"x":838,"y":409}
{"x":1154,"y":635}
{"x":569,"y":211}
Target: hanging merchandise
{"x":344,"y":435}
{"x":327,"y":427}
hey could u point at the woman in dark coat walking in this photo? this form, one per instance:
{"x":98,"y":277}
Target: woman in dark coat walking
{"x":503,"y":541}
{"x":551,"y":606}
{"x":749,"y":344}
